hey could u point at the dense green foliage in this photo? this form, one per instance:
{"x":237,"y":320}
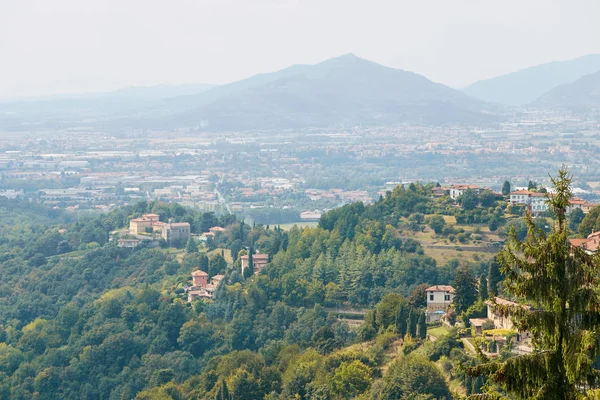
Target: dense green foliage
{"x":83,"y":318}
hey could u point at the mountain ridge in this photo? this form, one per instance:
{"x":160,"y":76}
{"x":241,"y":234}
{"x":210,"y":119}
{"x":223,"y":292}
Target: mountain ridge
{"x":528,"y":84}
{"x":344,"y":89}
{"x":583,"y":95}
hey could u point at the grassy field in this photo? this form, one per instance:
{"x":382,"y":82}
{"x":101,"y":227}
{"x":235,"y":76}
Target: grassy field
{"x":450,"y":219}
{"x":441,"y":249}
{"x":226,"y":252}
{"x":438,"y":331}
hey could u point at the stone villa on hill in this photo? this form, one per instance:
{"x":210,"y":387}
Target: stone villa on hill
{"x":439,"y":299}
{"x":258,"y":260}
{"x":147,"y":223}
{"x":174,"y":232}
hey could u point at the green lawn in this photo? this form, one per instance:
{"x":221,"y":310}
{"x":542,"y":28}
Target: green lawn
{"x":438,"y":331}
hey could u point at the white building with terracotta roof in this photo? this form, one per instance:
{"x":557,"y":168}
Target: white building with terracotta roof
{"x":217,"y":229}
{"x":439,"y":299}
{"x":538,"y":202}
{"x":459,"y":190}
{"x":590,"y":245}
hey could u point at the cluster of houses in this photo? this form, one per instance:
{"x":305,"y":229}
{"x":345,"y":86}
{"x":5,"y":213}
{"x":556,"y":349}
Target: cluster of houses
{"x":455,"y":191}
{"x":439,"y":300}
{"x":148,"y":226}
{"x":534,"y":201}
{"x":537,"y":202}
{"x":201,"y":288}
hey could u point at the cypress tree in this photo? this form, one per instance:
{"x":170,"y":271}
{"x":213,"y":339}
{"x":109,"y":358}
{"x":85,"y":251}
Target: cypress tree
{"x":250,"y":259}
{"x":422,"y":327}
{"x":401,"y":320}
{"x":476,"y":385}
{"x":494,"y":277}
{"x":249,"y":270}
{"x":411,"y":326}
{"x":483,"y":288}
{"x":223,"y":393}
{"x":561,"y":284}
{"x":506,"y":188}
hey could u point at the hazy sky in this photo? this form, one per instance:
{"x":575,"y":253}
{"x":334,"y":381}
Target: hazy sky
{"x":63,"y":46}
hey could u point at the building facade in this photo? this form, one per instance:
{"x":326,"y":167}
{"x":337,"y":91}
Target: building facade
{"x":128,"y":243}
{"x":199,"y":278}
{"x":458,"y":190}
{"x":258,"y":261}
{"x":176,"y":232}
{"x":143,"y":224}
{"x":439,"y":299}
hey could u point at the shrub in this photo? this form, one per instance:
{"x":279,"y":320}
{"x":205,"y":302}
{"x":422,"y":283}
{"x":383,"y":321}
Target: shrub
{"x":385,"y":340}
{"x":410,"y":346}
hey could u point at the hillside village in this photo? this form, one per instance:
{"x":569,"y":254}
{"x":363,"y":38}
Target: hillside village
{"x":411,"y":277}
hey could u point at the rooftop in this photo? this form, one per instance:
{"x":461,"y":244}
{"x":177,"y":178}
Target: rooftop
{"x":478,"y":321}
{"x":256,"y":256}
{"x":179,"y":225}
{"x":440,"y":288}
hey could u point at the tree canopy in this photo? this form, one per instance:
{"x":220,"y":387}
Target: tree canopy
{"x":557,"y":288}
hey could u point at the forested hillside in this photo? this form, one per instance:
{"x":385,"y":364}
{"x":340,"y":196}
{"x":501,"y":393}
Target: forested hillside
{"x":82,"y":318}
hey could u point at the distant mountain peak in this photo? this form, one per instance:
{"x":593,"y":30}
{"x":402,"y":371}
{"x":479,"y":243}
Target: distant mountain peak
{"x":340,"y":91}
{"x":346,"y":59}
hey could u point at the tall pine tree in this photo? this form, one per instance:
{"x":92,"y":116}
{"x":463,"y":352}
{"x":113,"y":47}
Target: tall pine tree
{"x":560,"y":283}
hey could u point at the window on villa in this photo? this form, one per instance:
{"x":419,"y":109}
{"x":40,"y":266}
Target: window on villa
{"x":446,"y":297}
{"x":431,"y":297}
